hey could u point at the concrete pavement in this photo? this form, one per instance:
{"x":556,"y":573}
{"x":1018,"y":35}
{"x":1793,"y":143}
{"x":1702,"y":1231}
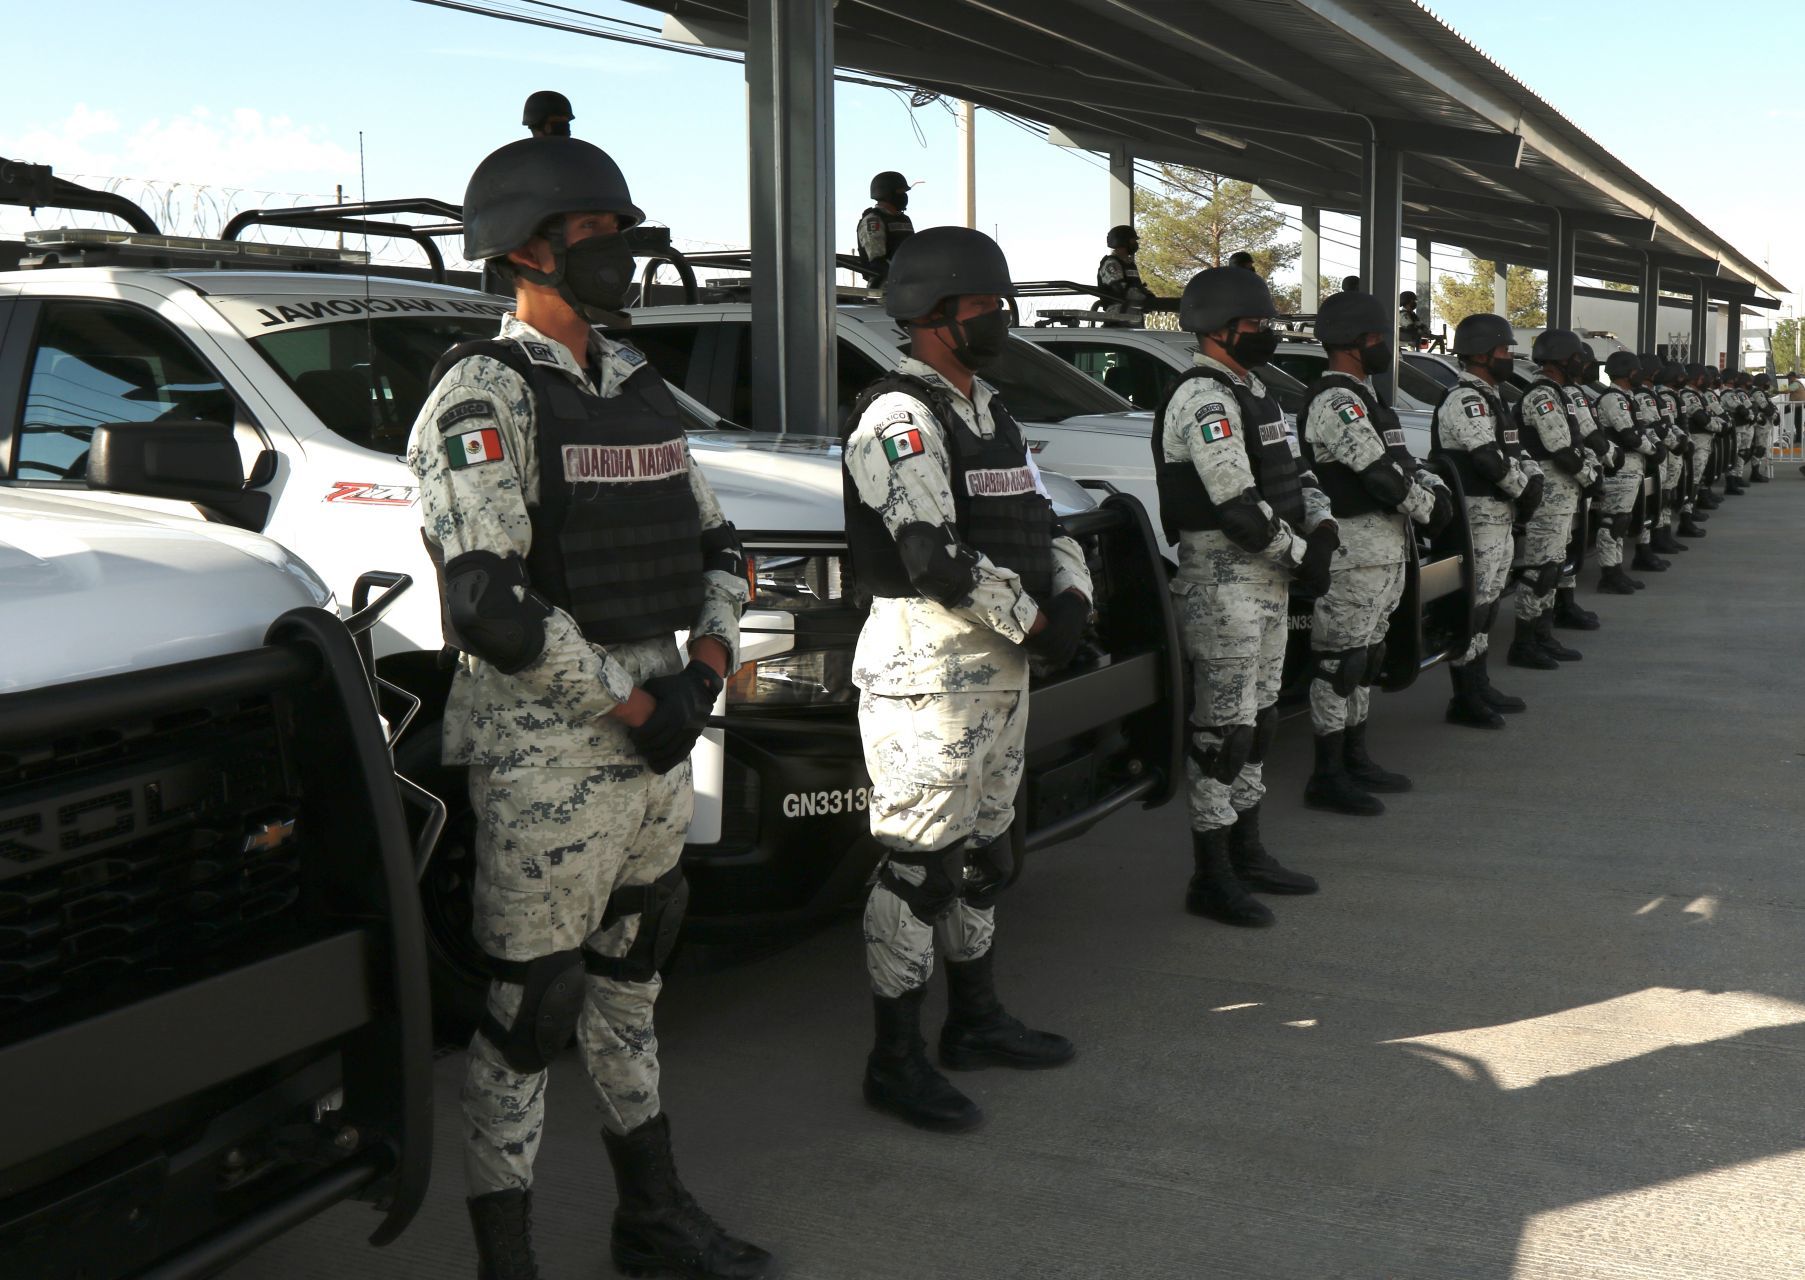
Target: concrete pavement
{"x":1545,"y":1019}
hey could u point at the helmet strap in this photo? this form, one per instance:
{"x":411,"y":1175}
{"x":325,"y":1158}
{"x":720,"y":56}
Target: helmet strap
{"x":554,"y":279}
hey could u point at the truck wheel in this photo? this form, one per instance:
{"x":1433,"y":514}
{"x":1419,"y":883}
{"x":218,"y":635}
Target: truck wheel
{"x":456,"y":965}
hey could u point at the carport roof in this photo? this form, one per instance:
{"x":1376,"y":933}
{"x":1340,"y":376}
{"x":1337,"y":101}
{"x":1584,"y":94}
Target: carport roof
{"x":1283,"y":93}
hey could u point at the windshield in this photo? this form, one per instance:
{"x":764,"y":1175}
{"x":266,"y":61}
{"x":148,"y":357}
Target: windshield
{"x":1040,"y":387}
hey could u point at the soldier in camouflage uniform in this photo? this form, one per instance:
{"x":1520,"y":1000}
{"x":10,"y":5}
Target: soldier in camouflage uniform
{"x":1376,"y":488}
{"x":951,"y":532}
{"x":1249,"y":520}
{"x":1740,"y":414}
{"x":1118,"y":277}
{"x":1723,"y":431}
{"x":1695,"y":417}
{"x":1664,"y":402}
{"x":884,"y":226}
{"x":1767,"y":417}
{"x":573,"y":707}
{"x":1554,"y":434}
{"x":1477,"y":436}
{"x":1631,"y":421}
{"x":1581,"y":395}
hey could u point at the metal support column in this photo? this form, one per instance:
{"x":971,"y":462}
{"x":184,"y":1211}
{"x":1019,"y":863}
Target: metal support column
{"x":790,"y":96}
{"x":1648,"y":305}
{"x":1381,"y":236}
{"x":1425,"y":284}
{"x":1501,"y":289}
{"x":1563,"y":242}
{"x":968,"y":163}
{"x":1733,"y":336}
{"x":1121,"y":187}
{"x":1309,"y":263}
{"x":1701,"y":314}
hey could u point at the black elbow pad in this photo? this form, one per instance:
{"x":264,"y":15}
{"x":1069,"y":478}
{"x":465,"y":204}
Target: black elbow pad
{"x":493,"y":611}
{"x":1568,"y":460}
{"x":939,"y":566}
{"x":1489,"y":461}
{"x":1246,"y":524}
{"x":1600,"y":443}
{"x":1698,"y":420}
{"x":721,"y":551}
{"x":1385,"y":483}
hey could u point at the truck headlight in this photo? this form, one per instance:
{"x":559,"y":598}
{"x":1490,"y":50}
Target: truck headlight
{"x":822,"y":678}
{"x":818,"y":673}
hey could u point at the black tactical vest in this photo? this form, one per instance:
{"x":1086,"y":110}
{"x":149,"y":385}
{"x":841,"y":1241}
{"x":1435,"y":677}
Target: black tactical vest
{"x":997,"y":508}
{"x":1183,"y":501}
{"x":1532,"y":438}
{"x":1131,"y":272}
{"x":1629,"y":441}
{"x":1504,"y":434}
{"x":897,"y":228}
{"x":1347,"y":496}
{"x":617,"y":535}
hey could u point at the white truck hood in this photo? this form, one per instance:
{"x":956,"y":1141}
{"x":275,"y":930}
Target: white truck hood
{"x":93,"y":589}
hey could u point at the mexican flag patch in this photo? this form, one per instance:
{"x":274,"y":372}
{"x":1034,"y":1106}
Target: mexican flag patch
{"x":471,"y":447}
{"x":1217,"y":430}
{"x":1351,"y":413}
{"x":904,"y":444}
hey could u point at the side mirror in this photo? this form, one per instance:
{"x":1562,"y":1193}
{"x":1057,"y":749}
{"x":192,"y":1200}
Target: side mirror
{"x":192,"y":461}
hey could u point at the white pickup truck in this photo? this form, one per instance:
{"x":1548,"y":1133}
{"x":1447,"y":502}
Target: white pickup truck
{"x":215,"y":1018}
{"x":275,"y":390}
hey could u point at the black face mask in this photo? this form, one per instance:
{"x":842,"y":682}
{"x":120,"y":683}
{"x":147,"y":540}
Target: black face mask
{"x":557,"y":128}
{"x":598,"y":272}
{"x":1376,"y":358}
{"x":978,"y":342}
{"x":1501,"y":368}
{"x":900,"y":200}
{"x":1252,"y":349}
{"x":1575,"y":369}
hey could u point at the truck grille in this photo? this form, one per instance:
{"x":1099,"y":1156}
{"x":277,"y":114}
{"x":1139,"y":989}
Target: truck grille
{"x":141,"y":857}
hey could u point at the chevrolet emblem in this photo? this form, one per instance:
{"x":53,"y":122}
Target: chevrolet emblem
{"x":270,"y":836}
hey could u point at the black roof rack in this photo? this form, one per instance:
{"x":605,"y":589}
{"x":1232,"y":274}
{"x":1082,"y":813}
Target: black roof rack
{"x":355,"y":219}
{"x":35,"y":187}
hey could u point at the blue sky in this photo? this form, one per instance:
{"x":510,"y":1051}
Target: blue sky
{"x":211,"y":98}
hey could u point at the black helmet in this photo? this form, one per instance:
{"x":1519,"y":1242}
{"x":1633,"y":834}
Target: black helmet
{"x":1216,"y":298}
{"x":1481,"y":334}
{"x":1122,"y":237}
{"x":1344,"y":318}
{"x":888,"y":185}
{"x":1556,"y":346}
{"x":943,"y":262}
{"x":516,"y":188}
{"x":1653,"y":367}
{"x":1763,"y":381}
{"x":1622,"y":364}
{"x":543,"y":105}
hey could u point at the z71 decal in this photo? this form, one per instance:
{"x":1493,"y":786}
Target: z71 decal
{"x":368,"y":494}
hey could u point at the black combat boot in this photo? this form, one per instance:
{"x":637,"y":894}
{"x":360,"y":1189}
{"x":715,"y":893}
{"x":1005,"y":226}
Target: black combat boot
{"x":1689,"y":529}
{"x":1664,"y":542}
{"x":1647,"y":561}
{"x":503,"y":1222}
{"x":659,"y":1229}
{"x":1757,"y":476}
{"x":1363,"y":769}
{"x":1615,"y":582}
{"x":1330,"y":787}
{"x":1544,"y":634}
{"x":1569,"y":615}
{"x":1526,"y":650}
{"x":1214,"y":891}
{"x":1708,"y":500}
{"x":1256,"y":868}
{"x":900,"y":1079}
{"x":1497,"y":700}
{"x":980,"y":1033}
{"x":1468,"y":706}
{"x":1734,"y":487}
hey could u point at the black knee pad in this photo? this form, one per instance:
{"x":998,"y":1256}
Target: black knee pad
{"x":1223,"y":761}
{"x":660,"y":906}
{"x":1620,"y":524}
{"x":944,"y":871}
{"x":991,"y":865}
{"x":550,"y":1004}
{"x":1546,"y":577}
{"x":1375,"y":663}
{"x":1342,"y":668}
{"x":1265,"y":730}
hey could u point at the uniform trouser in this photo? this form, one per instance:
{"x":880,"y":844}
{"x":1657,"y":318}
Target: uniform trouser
{"x":1745,"y":440}
{"x":1545,"y":539}
{"x":1673,"y":470}
{"x":1493,"y":546}
{"x":1702,"y":444}
{"x":1620,"y":493}
{"x":1354,"y":614}
{"x":1764,"y":441}
{"x":551,"y":846}
{"x":1234,"y":636}
{"x":944,"y":768}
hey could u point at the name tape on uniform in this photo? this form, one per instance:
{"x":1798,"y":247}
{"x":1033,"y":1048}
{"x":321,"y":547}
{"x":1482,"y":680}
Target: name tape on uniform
{"x":1394,"y":437}
{"x":621,"y":463}
{"x":1273,"y":433}
{"x":999,"y":482}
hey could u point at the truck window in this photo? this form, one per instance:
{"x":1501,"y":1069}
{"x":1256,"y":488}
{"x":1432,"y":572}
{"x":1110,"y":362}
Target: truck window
{"x":96,"y":363}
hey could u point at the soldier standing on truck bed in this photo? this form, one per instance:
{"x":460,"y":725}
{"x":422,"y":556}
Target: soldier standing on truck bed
{"x":884,"y":226}
{"x":1118,"y":276}
{"x":574,"y":537}
{"x":547,"y":114}
{"x":1249,"y":520}
{"x":971,"y":575}
{"x":1476,"y":434}
{"x":1376,"y":488}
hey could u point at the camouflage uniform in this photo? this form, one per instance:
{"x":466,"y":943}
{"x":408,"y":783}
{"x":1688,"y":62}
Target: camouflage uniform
{"x":875,"y":245}
{"x":943,"y":702}
{"x":1763,"y":409}
{"x":1673,"y":469}
{"x":1704,"y":438}
{"x":1464,"y":423}
{"x":567,"y":811}
{"x":1550,"y":530}
{"x":1368,"y":576}
{"x":1635,"y":417}
{"x":1738,"y":404}
{"x":1232,"y":605}
{"x":1119,"y":280}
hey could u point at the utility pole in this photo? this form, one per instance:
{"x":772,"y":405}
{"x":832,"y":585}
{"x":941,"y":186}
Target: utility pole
{"x":968,"y":163}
